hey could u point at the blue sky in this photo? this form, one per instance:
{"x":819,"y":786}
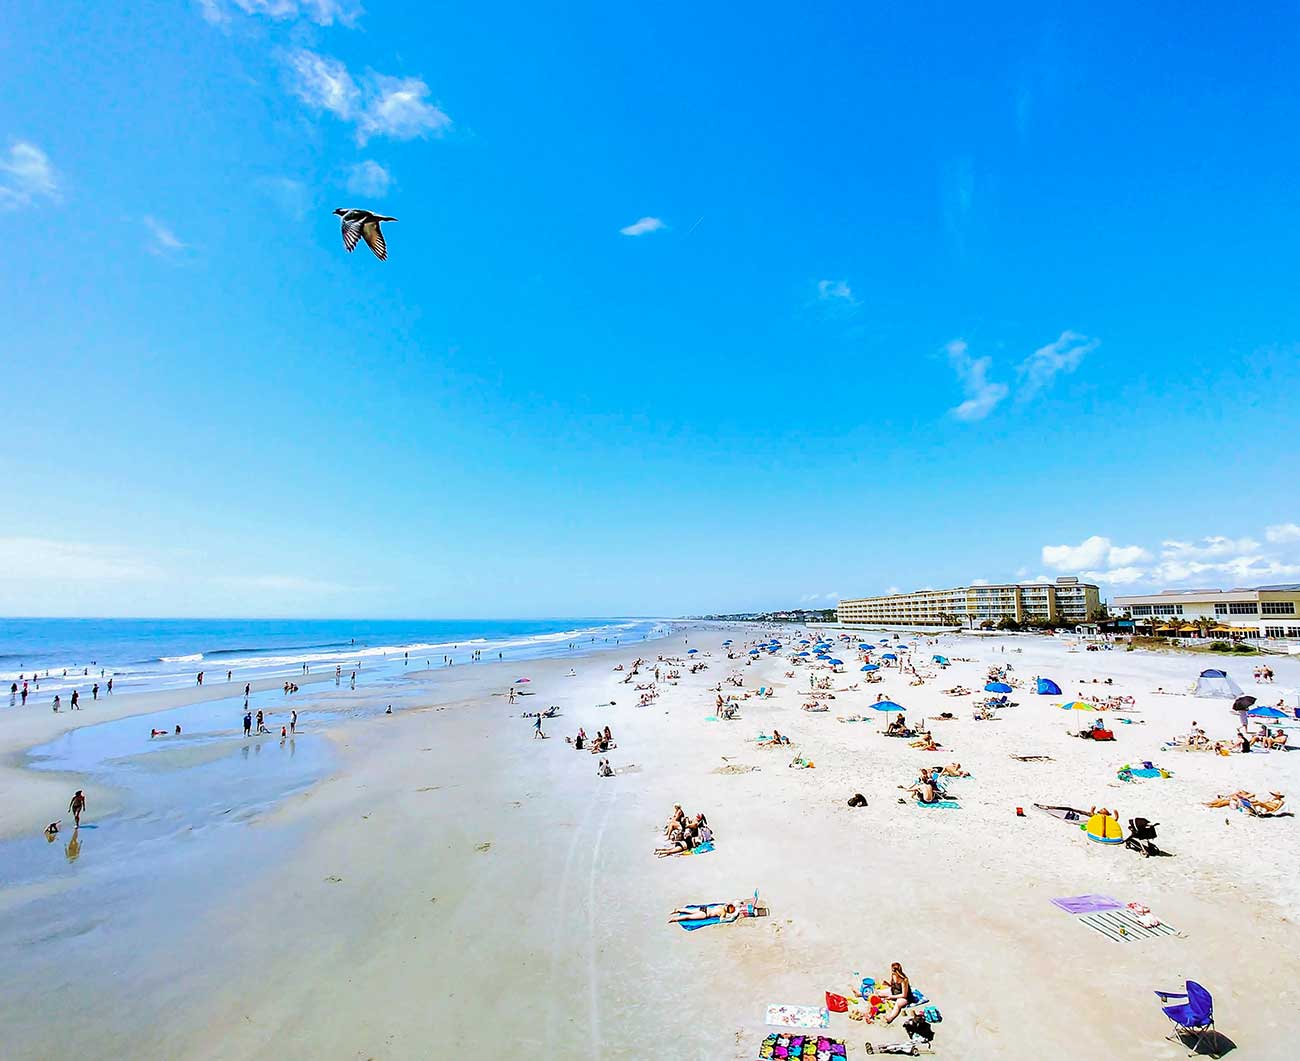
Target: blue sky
{"x":688,"y":308}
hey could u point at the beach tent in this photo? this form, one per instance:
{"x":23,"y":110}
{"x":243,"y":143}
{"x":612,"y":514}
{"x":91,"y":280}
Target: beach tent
{"x":1216,"y":683}
{"x":1000,"y":687}
{"x":1047,"y":687}
{"x":944,"y":661}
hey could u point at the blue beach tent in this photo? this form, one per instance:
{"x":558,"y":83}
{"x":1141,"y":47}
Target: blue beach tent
{"x":999,"y":687}
{"x":1047,"y":687}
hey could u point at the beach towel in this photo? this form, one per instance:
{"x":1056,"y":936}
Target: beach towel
{"x":1154,"y":771}
{"x":785,"y":1016}
{"x":943,"y":804}
{"x":800,"y":1048}
{"x":1087,"y":904}
{"x":1123,"y":926}
{"x":701,"y":849}
{"x":703,"y":922}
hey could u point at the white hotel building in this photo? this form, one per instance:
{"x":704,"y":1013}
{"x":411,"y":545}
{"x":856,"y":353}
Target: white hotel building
{"x":1066,"y":600}
{"x":1265,"y":611}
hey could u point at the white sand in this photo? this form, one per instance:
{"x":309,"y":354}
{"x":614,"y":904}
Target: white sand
{"x":552,"y":941}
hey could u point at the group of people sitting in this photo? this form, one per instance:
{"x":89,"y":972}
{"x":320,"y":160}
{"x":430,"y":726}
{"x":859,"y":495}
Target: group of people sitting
{"x":684,"y":834}
{"x":928,"y":786}
{"x":602,"y":742}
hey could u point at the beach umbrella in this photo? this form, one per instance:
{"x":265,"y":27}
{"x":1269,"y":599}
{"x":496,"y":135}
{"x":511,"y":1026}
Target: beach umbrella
{"x":798,"y":654}
{"x":886,"y":706}
{"x":997,"y":687}
{"x":864,"y":645}
{"x":871,"y":667}
{"x":889,"y":655}
{"x":753,"y":652}
{"x":944,"y":661}
{"x":835,"y":662}
{"x":805,"y":642}
{"x":1267,"y":712}
{"x":691,"y":651}
{"x":1243,"y":703}
{"x":726,"y":642}
{"x":521,"y":681}
{"x":1047,"y":687}
{"x":1078,"y":705}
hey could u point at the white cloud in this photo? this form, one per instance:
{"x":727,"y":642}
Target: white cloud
{"x":1207,"y":548}
{"x":1047,"y":362}
{"x":321,"y":12}
{"x":979,"y":581}
{"x":46,"y":559}
{"x":834,"y":289}
{"x":369,"y":178}
{"x":164,"y":241}
{"x":1282,"y":533}
{"x":379,"y":105}
{"x":324,"y":84}
{"x":1123,"y":576}
{"x":641,"y":227}
{"x":398,"y":107}
{"x":1092,"y":553}
{"x":982,"y":396}
{"x":25,"y":176}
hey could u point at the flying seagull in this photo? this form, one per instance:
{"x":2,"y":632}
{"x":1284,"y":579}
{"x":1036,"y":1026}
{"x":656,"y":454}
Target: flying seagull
{"x":362,"y":224}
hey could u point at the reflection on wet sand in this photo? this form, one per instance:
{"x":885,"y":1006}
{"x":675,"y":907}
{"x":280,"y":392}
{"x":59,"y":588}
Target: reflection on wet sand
{"x":73,"y":849}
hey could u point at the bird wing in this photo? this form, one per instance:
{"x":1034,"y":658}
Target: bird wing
{"x":374,"y":239}
{"x":351,"y":233}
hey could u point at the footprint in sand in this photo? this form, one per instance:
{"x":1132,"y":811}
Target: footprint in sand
{"x":334,"y":880}
{"x":483,"y":847}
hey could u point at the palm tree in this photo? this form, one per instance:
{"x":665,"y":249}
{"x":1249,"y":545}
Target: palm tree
{"x":1176,"y":624}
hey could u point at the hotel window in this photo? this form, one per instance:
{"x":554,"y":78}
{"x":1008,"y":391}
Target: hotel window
{"x":1242,"y":608}
{"x":1141,"y":609}
{"x":1273,"y":631}
{"x":1220,"y":609}
{"x":1293,"y":631}
{"x":1277,"y":607}
{"x":1167,"y":609}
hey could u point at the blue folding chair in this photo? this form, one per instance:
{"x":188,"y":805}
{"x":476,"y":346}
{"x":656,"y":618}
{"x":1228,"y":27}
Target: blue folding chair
{"x":1194,"y":1018}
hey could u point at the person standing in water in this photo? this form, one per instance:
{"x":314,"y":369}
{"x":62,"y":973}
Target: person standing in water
{"x":293,"y":721}
{"x":248,"y":723}
{"x":77,"y":805}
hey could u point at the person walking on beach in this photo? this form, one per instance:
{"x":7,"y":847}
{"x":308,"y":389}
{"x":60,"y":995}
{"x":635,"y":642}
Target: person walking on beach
{"x":94,"y":691}
{"x":110,"y":685}
{"x":248,"y":723}
{"x":77,"y":805}
{"x":22,"y":697}
{"x":293,"y":721}
{"x":57,"y":701}
{"x":76,"y":700}
{"x":537,"y":727}
{"x":261,"y":724}
{"x":198,"y":678}
{"x":248,"y":687}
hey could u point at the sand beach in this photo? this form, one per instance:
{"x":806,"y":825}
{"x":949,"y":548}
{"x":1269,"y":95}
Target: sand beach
{"x":440,"y":881}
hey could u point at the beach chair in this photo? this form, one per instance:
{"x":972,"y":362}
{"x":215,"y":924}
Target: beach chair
{"x":1193,"y":1018}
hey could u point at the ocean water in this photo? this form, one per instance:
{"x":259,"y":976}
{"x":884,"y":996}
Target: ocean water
{"x":161,"y":653}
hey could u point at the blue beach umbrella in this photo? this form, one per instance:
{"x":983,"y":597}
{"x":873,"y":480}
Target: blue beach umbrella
{"x":864,"y":645}
{"x":798,"y":654}
{"x":835,"y":662}
{"x":871,"y":667}
{"x":889,"y":655}
{"x":753,"y":652}
{"x":726,"y":642}
{"x":1047,"y":687}
{"x":1267,"y":712}
{"x":886,"y":706}
{"x":940,"y":659}
{"x":997,"y":687}
{"x":691,"y":651}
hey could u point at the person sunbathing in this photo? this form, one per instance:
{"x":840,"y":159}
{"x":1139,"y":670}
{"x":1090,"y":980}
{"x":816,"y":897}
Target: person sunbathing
{"x":1275,"y":740}
{"x":724,"y":912}
{"x":926,"y":742}
{"x":1267,"y":806}
{"x":900,"y":989}
{"x":676,"y":845}
{"x":954,"y":770}
{"x":675,"y":820}
{"x":924,"y":790}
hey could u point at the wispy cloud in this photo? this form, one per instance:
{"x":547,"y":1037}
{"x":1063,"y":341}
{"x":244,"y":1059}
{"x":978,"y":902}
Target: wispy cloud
{"x":834,"y":290}
{"x":376,"y":104}
{"x":643,"y":226}
{"x":164,"y":241}
{"x":26,"y":175}
{"x":321,"y":12}
{"x":1047,"y":362}
{"x":369,"y":178}
{"x":292,"y":196}
{"x":982,"y":395}
{"x":75,"y":562}
{"x":1207,"y":560}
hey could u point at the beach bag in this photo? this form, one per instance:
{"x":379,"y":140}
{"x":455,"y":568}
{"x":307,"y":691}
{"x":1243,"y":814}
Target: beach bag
{"x":837,"y":1003}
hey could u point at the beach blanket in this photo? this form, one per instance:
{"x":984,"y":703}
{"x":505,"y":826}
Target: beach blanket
{"x":798,"y":1016}
{"x":801,"y":1047}
{"x":701,"y":849}
{"x":1122,"y":926}
{"x":1087,"y":904}
{"x":943,"y":804}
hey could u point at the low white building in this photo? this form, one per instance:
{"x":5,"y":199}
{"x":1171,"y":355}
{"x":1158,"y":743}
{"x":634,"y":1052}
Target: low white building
{"x":1264,"y":611}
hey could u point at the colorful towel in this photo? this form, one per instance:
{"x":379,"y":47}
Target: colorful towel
{"x":798,"y":1016}
{"x":702,"y":849}
{"x":945,"y":804}
{"x":1144,"y":772}
{"x":1087,"y":904}
{"x":800,"y":1048}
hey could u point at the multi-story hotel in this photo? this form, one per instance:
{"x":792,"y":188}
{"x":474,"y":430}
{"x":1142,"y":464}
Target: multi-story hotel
{"x":1065,"y":600}
{"x":1265,"y":611}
